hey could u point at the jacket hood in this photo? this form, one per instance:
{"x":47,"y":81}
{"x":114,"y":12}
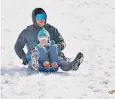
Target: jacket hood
{"x":35,"y":12}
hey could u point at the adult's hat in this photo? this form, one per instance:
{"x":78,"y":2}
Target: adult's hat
{"x":41,"y":17}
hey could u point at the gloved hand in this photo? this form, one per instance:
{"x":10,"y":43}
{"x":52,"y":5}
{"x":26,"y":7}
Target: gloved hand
{"x":58,"y":46}
{"x":26,"y":59}
{"x":52,"y":42}
{"x":25,"y":62}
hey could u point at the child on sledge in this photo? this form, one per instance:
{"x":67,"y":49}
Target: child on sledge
{"x":45,"y":56}
{"x":45,"y":53}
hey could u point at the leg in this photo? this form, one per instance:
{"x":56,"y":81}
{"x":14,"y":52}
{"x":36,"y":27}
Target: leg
{"x":53,"y":54}
{"x":65,"y":65}
{"x":74,"y":65}
{"x":38,"y":56}
{"x":33,"y":63}
{"x":43,"y":56}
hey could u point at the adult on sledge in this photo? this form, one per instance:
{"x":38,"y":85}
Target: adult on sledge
{"x":28,"y":37}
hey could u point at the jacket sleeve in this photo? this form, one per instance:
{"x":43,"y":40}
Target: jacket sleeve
{"x":19,"y":45}
{"x":59,"y":40}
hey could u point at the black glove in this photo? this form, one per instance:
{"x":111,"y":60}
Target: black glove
{"x":25,"y":62}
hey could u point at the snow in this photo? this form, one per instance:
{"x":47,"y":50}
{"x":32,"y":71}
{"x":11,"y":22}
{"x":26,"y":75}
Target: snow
{"x":86,"y":25}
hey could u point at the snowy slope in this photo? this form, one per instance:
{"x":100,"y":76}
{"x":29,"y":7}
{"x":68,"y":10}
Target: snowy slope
{"x":86,"y":25}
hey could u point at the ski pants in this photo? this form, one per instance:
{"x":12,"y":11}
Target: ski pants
{"x":51,"y":55}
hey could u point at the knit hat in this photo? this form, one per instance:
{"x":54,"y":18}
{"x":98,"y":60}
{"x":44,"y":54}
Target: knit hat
{"x":43,"y":34}
{"x":41,"y":17}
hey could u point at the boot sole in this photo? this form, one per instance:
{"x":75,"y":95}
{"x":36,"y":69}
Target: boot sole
{"x":78,"y":60}
{"x":34,"y":60}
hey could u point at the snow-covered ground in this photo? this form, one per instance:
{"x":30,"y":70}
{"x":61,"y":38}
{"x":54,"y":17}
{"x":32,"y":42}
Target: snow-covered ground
{"x":86,"y":25}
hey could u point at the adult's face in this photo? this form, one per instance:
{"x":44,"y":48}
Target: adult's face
{"x":41,"y":23}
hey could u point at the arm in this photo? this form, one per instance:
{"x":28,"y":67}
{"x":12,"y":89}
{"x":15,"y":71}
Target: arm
{"x":59,"y":40}
{"x":19,"y":45}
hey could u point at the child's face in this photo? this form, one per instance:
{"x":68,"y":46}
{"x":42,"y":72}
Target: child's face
{"x":43,"y":42}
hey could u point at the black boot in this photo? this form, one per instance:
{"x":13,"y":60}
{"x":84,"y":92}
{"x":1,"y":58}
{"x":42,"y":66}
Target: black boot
{"x":74,"y":65}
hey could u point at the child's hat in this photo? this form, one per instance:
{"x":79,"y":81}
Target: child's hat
{"x":43,"y":34}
